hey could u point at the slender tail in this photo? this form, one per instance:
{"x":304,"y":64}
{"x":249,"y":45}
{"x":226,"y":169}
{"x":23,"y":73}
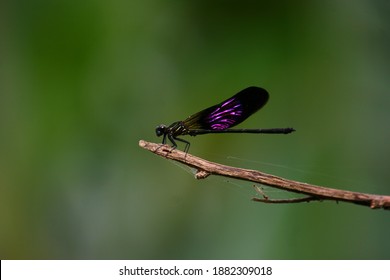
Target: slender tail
{"x":244,"y":130}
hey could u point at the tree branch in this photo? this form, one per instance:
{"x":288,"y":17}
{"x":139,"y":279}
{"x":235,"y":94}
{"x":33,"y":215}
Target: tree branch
{"x":313,"y":192}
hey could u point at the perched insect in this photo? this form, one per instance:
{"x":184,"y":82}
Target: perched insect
{"x":220,"y":118}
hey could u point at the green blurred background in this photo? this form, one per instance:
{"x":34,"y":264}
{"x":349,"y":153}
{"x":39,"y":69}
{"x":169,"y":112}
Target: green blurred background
{"x":81,"y":82}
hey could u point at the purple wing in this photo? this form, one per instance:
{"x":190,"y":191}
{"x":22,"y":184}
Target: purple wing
{"x":226,"y":115}
{"x":230,"y":112}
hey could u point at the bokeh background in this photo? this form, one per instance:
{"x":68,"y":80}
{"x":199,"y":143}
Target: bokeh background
{"x":81,"y":82}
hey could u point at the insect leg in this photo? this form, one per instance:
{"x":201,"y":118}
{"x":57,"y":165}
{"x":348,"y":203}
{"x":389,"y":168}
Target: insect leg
{"x":164,"y":138}
{"x":187,"y":147}
{"x":172,"y":139}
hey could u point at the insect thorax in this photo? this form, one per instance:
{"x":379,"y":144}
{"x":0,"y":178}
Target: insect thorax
{"x":178,"y":128}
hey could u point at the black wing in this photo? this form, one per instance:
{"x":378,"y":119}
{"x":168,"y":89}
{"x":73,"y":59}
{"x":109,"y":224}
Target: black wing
{"x":229,"y":112}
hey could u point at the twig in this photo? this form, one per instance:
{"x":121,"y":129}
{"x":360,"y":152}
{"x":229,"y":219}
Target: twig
{"x":266,"y":199}
{"x":206,"y":168}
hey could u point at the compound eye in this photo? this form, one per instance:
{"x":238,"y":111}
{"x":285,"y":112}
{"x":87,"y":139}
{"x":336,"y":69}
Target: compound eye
{"x":160,"y":130}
